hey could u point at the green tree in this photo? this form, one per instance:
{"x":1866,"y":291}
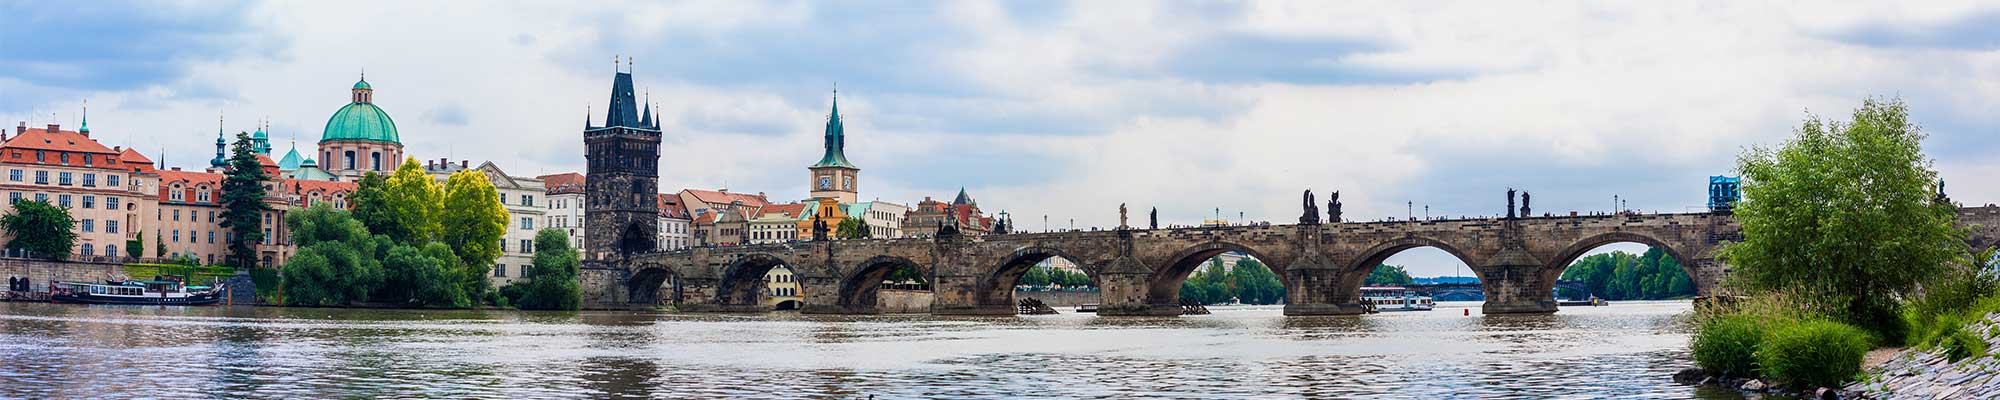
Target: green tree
{"x":408,"y":207}
{"x":337,"y":262}
{"x":852,"y":228}
{"x":1036,"y":276}
{"x":370,"y":202}
{"x":426,"y":277}
{"x":552,"y":283}
{"x":243,"y":206}
{"x":1388,"y":275}
{"x":1844,"y":213}
{"x":137,"y":246}
{"x":1619,"y":275}
{"x":475,"y":222}
{"x":906,"y":274}
{"x":43,"y":229}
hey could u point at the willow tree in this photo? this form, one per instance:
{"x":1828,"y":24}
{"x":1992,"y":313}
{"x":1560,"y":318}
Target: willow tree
{"x":1844,"y":216}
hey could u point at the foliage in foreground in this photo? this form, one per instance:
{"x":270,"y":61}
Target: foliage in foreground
{"x":1845,"y":213}
{"x":1727,"y":344}
{"x":1814,"y":353}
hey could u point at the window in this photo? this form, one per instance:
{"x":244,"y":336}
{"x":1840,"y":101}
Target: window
{"x":110,"y":226}
{"x":524,"y":271}
{"x":87,"y":225}
{"x":177,"y":236}
{"x":87,"y":251}
{"x":177,"y":215}
{"x":89,"y":180}
{"x":201,"y":196}
{"x":110,"y":203}
{"x":500,"y":270}
{"x":89,"y":202}
{"x":528,"y":200}
{"x":13,"y":197}
{"x":63,"y":178}
{"x":527,"y":245}
{"x":503,"y":245}
{"x":86,"y":159}
{"x":110,"y":250}
{"x":41,"y":156}
{"x":176,"y":195}
{"x":111,"y":180}
{"x":211,"y":237}
{"x":42,"y":197}
{"x":62,"y":200}
{"x":350,"y":159}
{"x":376,"y":159}
{"x":64,"y":156}
{"x":14,"y":175}
{"x":41,"y":177}
{"x":527,"y":224}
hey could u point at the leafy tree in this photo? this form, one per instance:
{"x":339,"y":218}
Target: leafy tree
{"x":408,"y":207}
{"x":552,"y":283}
{"x":1388,"y":275}
{"x":906,"y":274}
{"x":41,"y":228}
{"x":1622,"y":276}
{"x":852,"y":228}
{"x":243,"y":204}
{"x":1250,"y":282}
{"x":475,"y":222}
{"x":1036,"y":276}
{"x":423,"y":277}
{"x":370,"y":202}
{"x":337,"y":262}
{"x":1844,"y":214}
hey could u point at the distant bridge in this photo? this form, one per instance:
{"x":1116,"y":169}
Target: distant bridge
{"x":1474,"y":291}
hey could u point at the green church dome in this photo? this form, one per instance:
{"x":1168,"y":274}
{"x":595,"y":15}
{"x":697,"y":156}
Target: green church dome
{"x":362,"y":84}
{"x":362,"y":122}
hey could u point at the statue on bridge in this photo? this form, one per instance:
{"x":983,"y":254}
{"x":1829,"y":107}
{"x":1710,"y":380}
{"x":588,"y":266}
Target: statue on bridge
{"x":1333,"y":208}
{"x":1121,"y":217}
{"x":1525,"y":212}
{"x":1155,"y":218}
{"x":1510,"y":203}
{"x":1312,"y":210}
{"x":819,"y":227}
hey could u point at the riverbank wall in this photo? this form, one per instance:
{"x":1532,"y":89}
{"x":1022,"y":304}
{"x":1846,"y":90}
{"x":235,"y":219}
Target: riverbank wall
{"x":1060,"y":298}
{"x":1928,"y":374}
{"x":40,"y":272}
{"x":896,"y":301}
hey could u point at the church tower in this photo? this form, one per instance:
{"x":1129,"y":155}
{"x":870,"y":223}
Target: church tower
{"x":833,"y":177}
{"x":621,"y":215}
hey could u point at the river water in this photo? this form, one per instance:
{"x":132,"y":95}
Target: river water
{"x":1627,"y":350}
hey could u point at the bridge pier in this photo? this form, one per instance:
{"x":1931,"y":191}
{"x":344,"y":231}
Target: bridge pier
{"x":969,"y":295}
{"x":1127,"y":288}
{"x":1313,"y":288}
{"x":1515,"y":289}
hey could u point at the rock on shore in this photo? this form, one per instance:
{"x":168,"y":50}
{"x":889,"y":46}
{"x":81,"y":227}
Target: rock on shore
{"x":1920,"y":374}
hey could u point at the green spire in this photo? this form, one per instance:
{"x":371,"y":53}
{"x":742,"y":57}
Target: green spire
{"x":85,"y":126}
{"x":836,"y":140}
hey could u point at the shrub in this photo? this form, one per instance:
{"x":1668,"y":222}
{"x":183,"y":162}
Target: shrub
{"x":1727,"y":344}
{"x":1962,"y":344}
{"x":1813,"y":353}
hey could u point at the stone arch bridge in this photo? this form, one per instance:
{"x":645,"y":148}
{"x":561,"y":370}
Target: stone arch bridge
{"x":1139,"y":271}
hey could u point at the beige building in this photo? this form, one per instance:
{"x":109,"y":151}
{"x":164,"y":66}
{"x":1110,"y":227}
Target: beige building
{"x":782,"y":289}
{"x":523,"y":198}
{"x":106,"y":192}
{"x":777,"y":223}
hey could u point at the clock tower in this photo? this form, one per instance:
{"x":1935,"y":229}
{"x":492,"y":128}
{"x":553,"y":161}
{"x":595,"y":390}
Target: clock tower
{"x":833,"y":177}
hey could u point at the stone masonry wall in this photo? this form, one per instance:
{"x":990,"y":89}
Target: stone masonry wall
{"x":894,"y":301}
{"x":40,"y":273}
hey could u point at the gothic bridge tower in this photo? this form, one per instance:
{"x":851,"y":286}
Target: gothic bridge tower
{"x":622,"y":180}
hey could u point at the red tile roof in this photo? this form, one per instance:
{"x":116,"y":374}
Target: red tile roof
{"x":671,"y":207}
{"x":563,"y":183}
{"x":135,"y":161}
{"x":60,"y":140}
{"x":721,"y":198}
{"x":789,"y":209}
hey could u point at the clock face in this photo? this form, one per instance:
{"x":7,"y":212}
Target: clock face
{"x":826,"y":182}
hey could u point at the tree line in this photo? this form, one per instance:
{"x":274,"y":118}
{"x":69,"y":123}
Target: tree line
{"x":1623,"y":276}
{"x":1250,"y":282}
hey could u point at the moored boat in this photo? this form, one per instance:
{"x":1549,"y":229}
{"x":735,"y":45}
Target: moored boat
{"x":155,"y":292}
{"x":1394,"y":298}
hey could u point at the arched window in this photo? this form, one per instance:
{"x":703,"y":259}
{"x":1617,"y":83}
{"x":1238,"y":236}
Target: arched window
{"x":111,"y":250}
{"x":350,"y":160}
{"x":87,"y":250}
{"x":376,"y":158}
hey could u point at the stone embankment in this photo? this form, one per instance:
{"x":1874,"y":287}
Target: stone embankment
{"x":1927,"y":374}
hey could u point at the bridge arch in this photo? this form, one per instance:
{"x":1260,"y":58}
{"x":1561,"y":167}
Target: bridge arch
{"x":1576,"y":249}
{"x":858,"y":290}
{"x":1352,"y":277}
{"x":999,"y":284}
{"x":653,"y":284}
{"x":1165,"y":287}
{"x":742,"y":280}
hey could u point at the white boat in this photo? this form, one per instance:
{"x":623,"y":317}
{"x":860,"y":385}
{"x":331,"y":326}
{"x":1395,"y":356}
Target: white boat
{"x":1394,"y":298}
{"x":155,"y":292}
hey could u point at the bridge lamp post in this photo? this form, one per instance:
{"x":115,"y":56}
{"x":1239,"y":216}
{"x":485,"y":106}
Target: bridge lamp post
{"x":1045,"y":222}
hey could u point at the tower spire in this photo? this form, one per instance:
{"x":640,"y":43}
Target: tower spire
{"x":84,"y":127}
{"x":646,"y":120}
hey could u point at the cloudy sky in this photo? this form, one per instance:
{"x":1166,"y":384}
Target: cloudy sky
{"x":1052,"y":108}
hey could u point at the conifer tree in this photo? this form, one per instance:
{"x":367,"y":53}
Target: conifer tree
{"x":243,"y":204}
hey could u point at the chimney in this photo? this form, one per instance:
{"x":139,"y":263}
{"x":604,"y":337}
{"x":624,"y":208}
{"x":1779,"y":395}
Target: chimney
{"x":430,"y":165}
{"x":120,"y":149}
{"x":177,"y":168}
{"x":23,"y":128}
{"x":463,"y":164}
{"x":53,"y":127}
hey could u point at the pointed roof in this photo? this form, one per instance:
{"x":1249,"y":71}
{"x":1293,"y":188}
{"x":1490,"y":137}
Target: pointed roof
{"x":84,"y":127}
{"x":624,"y":108}
{"x":646,"y":119}
{"x":963,"y":199}
{"x":836,"y":141}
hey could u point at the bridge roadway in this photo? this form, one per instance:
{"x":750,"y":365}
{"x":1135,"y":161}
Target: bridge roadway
{"x":1139,"y":271}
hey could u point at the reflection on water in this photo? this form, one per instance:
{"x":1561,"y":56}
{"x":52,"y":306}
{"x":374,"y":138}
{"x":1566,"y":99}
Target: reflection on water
{"x":1625,"y":350}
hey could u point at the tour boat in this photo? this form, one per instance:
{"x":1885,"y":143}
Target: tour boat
{"x":156,"y":292}
{"x":1394,"y":298}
